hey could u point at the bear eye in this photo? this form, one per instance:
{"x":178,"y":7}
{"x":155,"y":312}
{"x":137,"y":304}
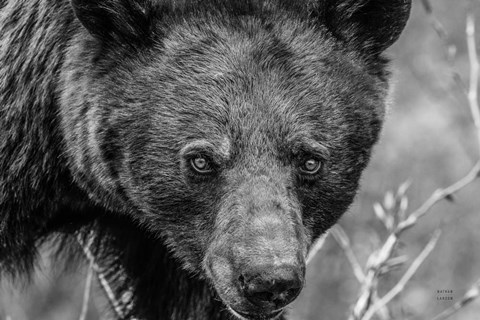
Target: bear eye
{"x":311,"y":166}
{"x":201,"y":164}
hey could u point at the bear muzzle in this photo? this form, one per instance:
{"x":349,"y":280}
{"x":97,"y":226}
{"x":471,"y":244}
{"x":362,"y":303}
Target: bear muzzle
{"x":256,"y":258}
{"x":259,"y":269}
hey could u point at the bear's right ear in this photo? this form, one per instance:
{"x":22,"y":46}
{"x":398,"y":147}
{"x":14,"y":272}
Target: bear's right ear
{"x":369,"y":25}
{"x":118,"y":21}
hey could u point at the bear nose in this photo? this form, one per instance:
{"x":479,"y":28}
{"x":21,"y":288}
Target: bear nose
{"x":271,"y":287}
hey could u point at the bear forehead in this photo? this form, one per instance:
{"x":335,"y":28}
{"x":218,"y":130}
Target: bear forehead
{"x":247,"y":73}
{"x":261,"y":80}
{"x":255,"y":50}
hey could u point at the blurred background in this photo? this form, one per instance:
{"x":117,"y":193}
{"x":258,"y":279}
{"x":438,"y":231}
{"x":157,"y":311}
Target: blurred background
{"x":428,"y":138}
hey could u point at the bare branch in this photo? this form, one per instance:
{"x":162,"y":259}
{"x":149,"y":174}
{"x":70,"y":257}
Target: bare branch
{"x":437,"y":196}
{"x":86,"y":293}
{"x":448,"y":192}
{"x":474,"y":73}
{"x":369,"y":285}
{"x":100,"y":276}
{"x":406,"y":277}
{"x":344,"y":242}
{"x":380,"y":261}
{"x":316,"y":246}
{"x":442,"y":33}
{"x":437,"y":26}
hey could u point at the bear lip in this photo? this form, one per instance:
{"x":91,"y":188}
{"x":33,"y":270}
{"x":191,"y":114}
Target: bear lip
{"x":247,"y":316}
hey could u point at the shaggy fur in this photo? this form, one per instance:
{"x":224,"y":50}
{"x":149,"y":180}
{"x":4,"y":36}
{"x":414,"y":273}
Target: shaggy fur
{"x":104,"y":105}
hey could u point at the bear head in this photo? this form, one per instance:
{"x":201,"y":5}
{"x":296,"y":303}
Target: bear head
{"x":234,"y":131}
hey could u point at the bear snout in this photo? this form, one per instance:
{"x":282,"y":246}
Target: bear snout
{"x":259,"y":268}
{"x":255,"y":277}
{"x":256,"y":257}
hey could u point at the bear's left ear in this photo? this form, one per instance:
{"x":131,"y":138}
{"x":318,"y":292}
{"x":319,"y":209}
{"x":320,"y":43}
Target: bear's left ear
{"x":369,"y":25}
{"x":116,"y":21}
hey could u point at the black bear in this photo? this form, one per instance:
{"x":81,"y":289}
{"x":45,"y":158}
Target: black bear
{"x":202,"y":144}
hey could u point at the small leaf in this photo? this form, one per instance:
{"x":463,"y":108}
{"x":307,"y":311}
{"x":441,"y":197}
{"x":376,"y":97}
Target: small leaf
{"x":389,"y":201}
{"x":397,"y":261}
{"x":379,"y":212}
{"x":386,"y":219}
{"x":402,"y":190}
{"x":402,"y":209}
{"x":392,"y":264}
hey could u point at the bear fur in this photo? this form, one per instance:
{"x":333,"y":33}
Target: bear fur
{"x":201,"y":145}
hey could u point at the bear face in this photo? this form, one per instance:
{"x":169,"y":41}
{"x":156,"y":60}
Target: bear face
{"x":234,"y":132}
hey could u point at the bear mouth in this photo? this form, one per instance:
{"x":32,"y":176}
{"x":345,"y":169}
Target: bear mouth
{"x":247,"y":316}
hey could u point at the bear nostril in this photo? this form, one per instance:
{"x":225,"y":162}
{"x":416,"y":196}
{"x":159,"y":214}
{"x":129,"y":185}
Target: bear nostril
{"x":241,"y":281}
{"x":261,"y":297}
{"x":274,"y":288}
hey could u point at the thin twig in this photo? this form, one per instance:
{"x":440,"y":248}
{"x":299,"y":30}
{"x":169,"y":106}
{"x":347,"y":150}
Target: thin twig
{"x":451,"y":49}
{"x":437,"y":26}
{"x":369,"y":286}
{"x":442,"y":33}
{"x":100,"y":276}
{"x":441,"y":194}
{"x":316,"y":246}
{"x":344,"y":242}
{"x":366,"y":306}
{"x":437,"y":196}
{"x":474,"y":73}
{"x":472,"y":294}
{"x":406,"y":277}
{"x":86,"y":292}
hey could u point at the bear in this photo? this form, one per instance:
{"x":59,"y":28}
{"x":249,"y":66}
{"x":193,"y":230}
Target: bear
{"x":199,"y":146}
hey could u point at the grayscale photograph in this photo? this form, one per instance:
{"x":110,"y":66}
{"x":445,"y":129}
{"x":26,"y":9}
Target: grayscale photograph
{"x":239,"y":160}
